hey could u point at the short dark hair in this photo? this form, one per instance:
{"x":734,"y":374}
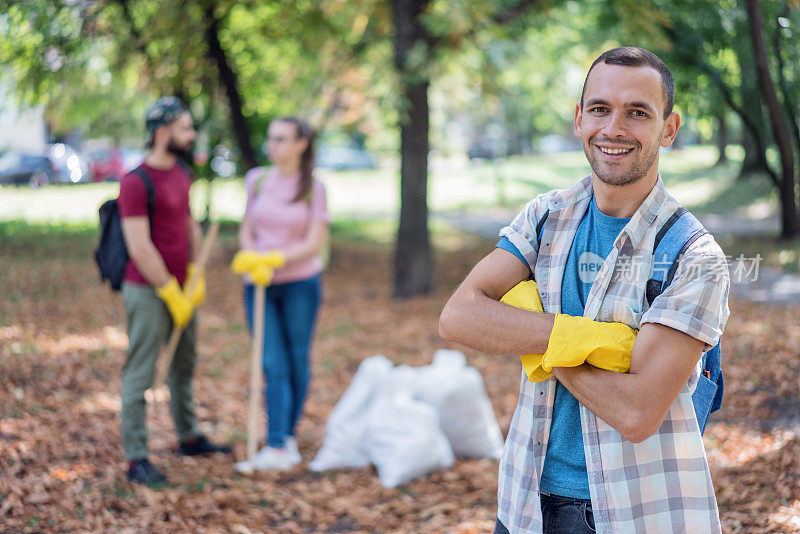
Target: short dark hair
{"x":633,"y":56}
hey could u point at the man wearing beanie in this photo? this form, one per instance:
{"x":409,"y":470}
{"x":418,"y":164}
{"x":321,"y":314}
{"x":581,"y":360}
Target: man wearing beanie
{"x":162,"y":241}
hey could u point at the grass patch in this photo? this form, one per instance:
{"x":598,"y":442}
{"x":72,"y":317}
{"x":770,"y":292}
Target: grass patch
{"x":23,"y":239}
{"x":373,"y":232}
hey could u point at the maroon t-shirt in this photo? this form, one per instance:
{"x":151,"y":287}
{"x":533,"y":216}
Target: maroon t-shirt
{"x":170,"y":230}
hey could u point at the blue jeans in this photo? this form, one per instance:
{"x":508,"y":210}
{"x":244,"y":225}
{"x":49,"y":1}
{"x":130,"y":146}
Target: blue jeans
{"x":289,"y":315}
{"x":561,"y":515}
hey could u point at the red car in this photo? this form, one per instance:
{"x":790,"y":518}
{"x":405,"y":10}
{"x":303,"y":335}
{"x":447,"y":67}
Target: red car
{"x":105,"y":164}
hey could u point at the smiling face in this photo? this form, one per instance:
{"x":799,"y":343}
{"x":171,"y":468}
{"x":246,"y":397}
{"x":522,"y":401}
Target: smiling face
{"x":621,"y":125}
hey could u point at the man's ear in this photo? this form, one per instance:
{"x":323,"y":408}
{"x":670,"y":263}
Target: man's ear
{"x":576,"y":127}
{"x":671,"y":127}
{"x":160,"y":133}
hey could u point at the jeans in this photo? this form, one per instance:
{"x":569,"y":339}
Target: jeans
{"x":561,"y":515}
{"x":289,"y":315}
{"x":149,"y":326}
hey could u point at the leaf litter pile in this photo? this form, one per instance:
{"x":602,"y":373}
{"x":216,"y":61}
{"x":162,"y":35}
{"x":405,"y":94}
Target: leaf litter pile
{"x":62,"y":347}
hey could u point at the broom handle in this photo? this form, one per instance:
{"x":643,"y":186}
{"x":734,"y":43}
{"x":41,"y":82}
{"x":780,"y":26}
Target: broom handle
{"x":255,"y":371}
{"x":165,"y":359}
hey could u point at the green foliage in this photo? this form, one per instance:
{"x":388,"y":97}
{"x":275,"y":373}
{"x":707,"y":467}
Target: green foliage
{"x":96,"y":65}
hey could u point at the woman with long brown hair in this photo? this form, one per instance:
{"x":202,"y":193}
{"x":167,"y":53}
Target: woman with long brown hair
{"x":282,"y":234}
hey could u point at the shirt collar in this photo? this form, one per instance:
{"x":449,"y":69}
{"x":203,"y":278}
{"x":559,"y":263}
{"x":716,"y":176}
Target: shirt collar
{"x":641,"y":220}
{"x":644,"y":217}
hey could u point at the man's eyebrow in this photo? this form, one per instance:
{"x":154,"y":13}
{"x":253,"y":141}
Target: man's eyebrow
{"x":595,"y":101}
{"x":642,"y":105}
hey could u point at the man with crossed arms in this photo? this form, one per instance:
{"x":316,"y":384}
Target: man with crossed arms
{"x":589,"y":448}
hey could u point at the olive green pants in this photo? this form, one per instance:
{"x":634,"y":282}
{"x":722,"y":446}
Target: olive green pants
{"x":149,"y":326}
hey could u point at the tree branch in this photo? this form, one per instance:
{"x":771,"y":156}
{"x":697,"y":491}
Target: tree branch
{"x":138,"y":39}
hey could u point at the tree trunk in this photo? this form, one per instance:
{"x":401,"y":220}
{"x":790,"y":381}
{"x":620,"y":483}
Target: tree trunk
{"x":413,"y":261}
{"x":790,"y":106}
{"x":752,"y":114}
{"x":780,"y":130}
{"x":229,"y":79}
{"x":722,"y":139}
{"x":752,"y":160}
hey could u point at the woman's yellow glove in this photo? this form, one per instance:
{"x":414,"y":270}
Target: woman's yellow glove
{"x":196,"y":277}
{"x":260,"y":266}
{"x":244,"y":261}
{"x":261,"y":275}
{"x":579,"y":339}
{"x":605,"y":345}
{"x":272,"y":259}
{"x":178,"y":304}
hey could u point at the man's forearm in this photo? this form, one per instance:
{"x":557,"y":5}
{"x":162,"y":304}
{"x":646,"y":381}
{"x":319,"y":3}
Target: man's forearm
{"x":150,"y":264}
{"x":478,"y":321}
{"x":613,"y":397}
{"x":635,"y":403}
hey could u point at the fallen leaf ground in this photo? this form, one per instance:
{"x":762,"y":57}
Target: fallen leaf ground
{"x":62,"y":346}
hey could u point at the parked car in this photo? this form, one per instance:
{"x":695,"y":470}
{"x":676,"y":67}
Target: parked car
{"x":19,"y":168}
{"x":480,"y":151}
{"x":344,"y":158}
{"x":70,"y":166}
{"x":105,"y":164}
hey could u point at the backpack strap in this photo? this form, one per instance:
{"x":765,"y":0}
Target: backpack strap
{"x":540,"y":227}
{"x":672,"y":241}
{"x":151,"y":192}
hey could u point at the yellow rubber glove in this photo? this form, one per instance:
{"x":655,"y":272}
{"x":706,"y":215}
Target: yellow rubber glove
{"x":261,"y":275}
{"x":525,"y":295}
{"x":198,"y":278}
{"x":264,"y":265}
{"x":178,"y":304}
{"x":244,"y":261}
{"x":272,"y":259}
{"x":579,"y":339}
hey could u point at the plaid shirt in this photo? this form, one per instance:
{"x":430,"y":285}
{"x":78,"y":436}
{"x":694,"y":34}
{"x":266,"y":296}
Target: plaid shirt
{"x":662,"y":484}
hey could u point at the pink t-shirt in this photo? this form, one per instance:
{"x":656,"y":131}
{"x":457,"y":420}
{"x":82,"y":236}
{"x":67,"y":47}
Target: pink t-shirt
{"x":279,"y":223}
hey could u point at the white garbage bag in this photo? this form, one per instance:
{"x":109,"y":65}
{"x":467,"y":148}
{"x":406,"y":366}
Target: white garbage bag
{"x":404,"y":440}
{"x":344,"y":443}
{"x":465,"y":412}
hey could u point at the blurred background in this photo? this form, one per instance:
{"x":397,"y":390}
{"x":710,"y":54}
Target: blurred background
{"x":442,"y":91}
{"x":437,"y":121}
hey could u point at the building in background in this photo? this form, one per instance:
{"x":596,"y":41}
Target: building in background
{"x":22,"y":129}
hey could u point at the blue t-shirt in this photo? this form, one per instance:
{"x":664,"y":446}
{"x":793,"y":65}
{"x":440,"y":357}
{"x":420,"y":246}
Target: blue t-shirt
{"x":565,"y":463}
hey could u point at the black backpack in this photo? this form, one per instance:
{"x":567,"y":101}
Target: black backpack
{"x":111,"y":255}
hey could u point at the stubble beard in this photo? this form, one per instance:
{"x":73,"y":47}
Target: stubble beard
{"x":183,"y":152}
{"x":638,"y":169}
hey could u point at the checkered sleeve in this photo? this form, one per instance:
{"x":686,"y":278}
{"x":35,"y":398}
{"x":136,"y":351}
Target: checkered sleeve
{"x":696,"y":302}
{"x":522,"y":231}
